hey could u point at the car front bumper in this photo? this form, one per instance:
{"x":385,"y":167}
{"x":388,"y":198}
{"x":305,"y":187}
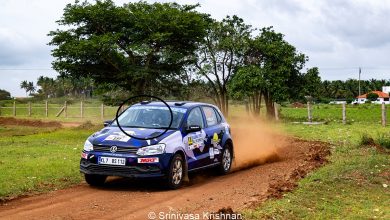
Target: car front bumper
{"x":89,"y":165}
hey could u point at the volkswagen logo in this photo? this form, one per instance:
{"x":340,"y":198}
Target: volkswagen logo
{"x":113,"y":149}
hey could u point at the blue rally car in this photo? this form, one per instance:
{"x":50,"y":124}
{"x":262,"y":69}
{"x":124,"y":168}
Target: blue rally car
{"x":199,"y":137}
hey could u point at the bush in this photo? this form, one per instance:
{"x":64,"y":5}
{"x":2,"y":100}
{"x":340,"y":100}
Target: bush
{"x":366,"y":140}
{"x":384,"y":141}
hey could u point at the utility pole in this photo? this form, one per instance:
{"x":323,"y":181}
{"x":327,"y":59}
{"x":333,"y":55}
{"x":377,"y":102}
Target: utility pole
{"x":360,"y":71}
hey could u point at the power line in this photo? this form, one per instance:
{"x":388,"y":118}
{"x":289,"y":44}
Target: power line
{"x":24,"y":69}
{"x":355,"y":68}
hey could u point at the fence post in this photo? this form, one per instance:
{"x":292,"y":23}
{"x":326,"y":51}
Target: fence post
{"x":66,"y":109}
{"x":276,"y":111}
{"x":46,"y":109}
{"x":383,"y":114}
{"x":14,"y":109}
{"x":309,"y":116}
{"x":29,"y":109}
{"x":344,"y":114}
{"x":102,"y":111}
{"x":81,"y":109}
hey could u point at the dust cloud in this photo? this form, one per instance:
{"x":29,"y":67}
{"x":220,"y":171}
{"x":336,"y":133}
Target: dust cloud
{"x":255,"y":142}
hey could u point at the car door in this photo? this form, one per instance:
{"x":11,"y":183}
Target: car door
{"x":197,"y":154}
{"x":214,"y":133}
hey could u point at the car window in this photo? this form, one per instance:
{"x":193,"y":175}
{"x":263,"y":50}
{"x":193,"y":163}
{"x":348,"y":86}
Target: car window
{"x":195,"y":118}
{"x":211,"y":117}
{"x":218,"y":116}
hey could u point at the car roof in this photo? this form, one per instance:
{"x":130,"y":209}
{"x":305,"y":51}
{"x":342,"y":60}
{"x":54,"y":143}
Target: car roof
{"x":180,"y":104}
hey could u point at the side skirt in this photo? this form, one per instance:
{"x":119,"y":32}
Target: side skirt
{"x":204,"y":167}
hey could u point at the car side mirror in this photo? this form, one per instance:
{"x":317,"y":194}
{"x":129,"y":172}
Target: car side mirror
{"x":107,"y":123}
{"x":193,"y":128}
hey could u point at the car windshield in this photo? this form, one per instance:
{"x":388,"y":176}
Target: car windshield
{"x":151,"y":117}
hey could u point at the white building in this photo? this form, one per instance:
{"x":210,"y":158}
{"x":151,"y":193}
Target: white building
{"x":383,"y":97}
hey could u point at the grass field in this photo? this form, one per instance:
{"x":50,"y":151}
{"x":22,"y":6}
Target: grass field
{"x":351,"y":186}
{"x":36,"y":159}
{"x":366,"y":113}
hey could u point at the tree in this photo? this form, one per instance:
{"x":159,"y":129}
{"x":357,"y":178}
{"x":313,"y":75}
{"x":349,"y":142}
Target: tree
{"x":372,"y":96}
{"x":24,"y":85}
{"x":30,"y":88}
{"x":134,"y":47}
{"x":4,"y":95}
{"x":221,"y":55}
{"x":280,"y":65}
{"x":312,"y":83}
{"x":248,"y":84}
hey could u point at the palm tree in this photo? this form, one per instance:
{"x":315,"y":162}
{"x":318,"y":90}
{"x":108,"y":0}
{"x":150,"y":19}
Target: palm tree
{"x":24,"y":85}
{"x":31,"y":88}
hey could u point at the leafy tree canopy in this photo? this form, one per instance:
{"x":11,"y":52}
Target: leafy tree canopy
{"x":134,"y":46}
{"x":372,"y":96}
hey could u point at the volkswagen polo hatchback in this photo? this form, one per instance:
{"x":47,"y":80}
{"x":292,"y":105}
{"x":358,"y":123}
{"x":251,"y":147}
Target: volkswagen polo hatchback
{"x":199,"y":137}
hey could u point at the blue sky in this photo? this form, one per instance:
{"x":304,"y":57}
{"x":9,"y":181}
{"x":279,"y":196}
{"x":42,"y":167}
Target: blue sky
{"x":338,"y":36}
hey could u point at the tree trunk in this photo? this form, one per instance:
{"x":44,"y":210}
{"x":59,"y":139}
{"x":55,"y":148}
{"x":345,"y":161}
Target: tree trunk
{"x":226,"y":105}
{"x":269,"y":105}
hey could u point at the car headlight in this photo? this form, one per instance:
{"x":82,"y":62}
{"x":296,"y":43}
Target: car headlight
{"x":88,"y":146}
{"x":151,"y":150}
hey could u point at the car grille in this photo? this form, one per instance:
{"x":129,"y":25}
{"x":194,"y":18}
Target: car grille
{"x":105,"y":148}
{"x":94,"y":168}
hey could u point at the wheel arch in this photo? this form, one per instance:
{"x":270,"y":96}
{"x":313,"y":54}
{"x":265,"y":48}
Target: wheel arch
{"x":183,"y":155}
{"x":229,"y":143}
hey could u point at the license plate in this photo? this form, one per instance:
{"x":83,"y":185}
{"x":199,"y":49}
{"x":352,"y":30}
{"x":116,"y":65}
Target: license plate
{"x":112,"y":161}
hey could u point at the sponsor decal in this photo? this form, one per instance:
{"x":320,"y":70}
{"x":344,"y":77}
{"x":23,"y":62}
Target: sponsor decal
{"x":174,"y":109}
{"x":211,"y":152}
{"x":116,"y":137}
{"x":190,"y":142}
{"x":215,"y":138}
{"x":195,"y":141}
{"x":148,"y":160}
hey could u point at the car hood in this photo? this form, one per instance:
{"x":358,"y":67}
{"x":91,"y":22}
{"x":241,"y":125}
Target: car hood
{"x":114,"y":136}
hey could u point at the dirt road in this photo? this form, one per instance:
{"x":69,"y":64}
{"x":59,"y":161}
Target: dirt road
{"x":129,"y":199}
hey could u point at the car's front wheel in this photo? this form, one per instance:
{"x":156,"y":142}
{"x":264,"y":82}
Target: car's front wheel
{"x":226,"y":161}
{"x":95,"y":180}
{"x":176,"y":172}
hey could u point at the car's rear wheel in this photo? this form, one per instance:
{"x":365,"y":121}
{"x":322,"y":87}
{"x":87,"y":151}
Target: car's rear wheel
{"x":95,"y":180}
{"x":176,"y":172}
{"x":226,"y":161}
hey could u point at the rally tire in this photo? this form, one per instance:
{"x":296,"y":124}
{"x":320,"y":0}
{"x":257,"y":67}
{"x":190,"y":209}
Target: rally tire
{"x":95,"y":180}
{"x":226,"y":161}
{"x":176,"y":172}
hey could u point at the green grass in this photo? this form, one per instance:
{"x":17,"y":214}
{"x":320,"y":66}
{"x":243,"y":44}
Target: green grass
{"x":11,"y":130}
{"x":349,"y":187}
{"x":366,"y":113}
{"x":41,"y":160}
